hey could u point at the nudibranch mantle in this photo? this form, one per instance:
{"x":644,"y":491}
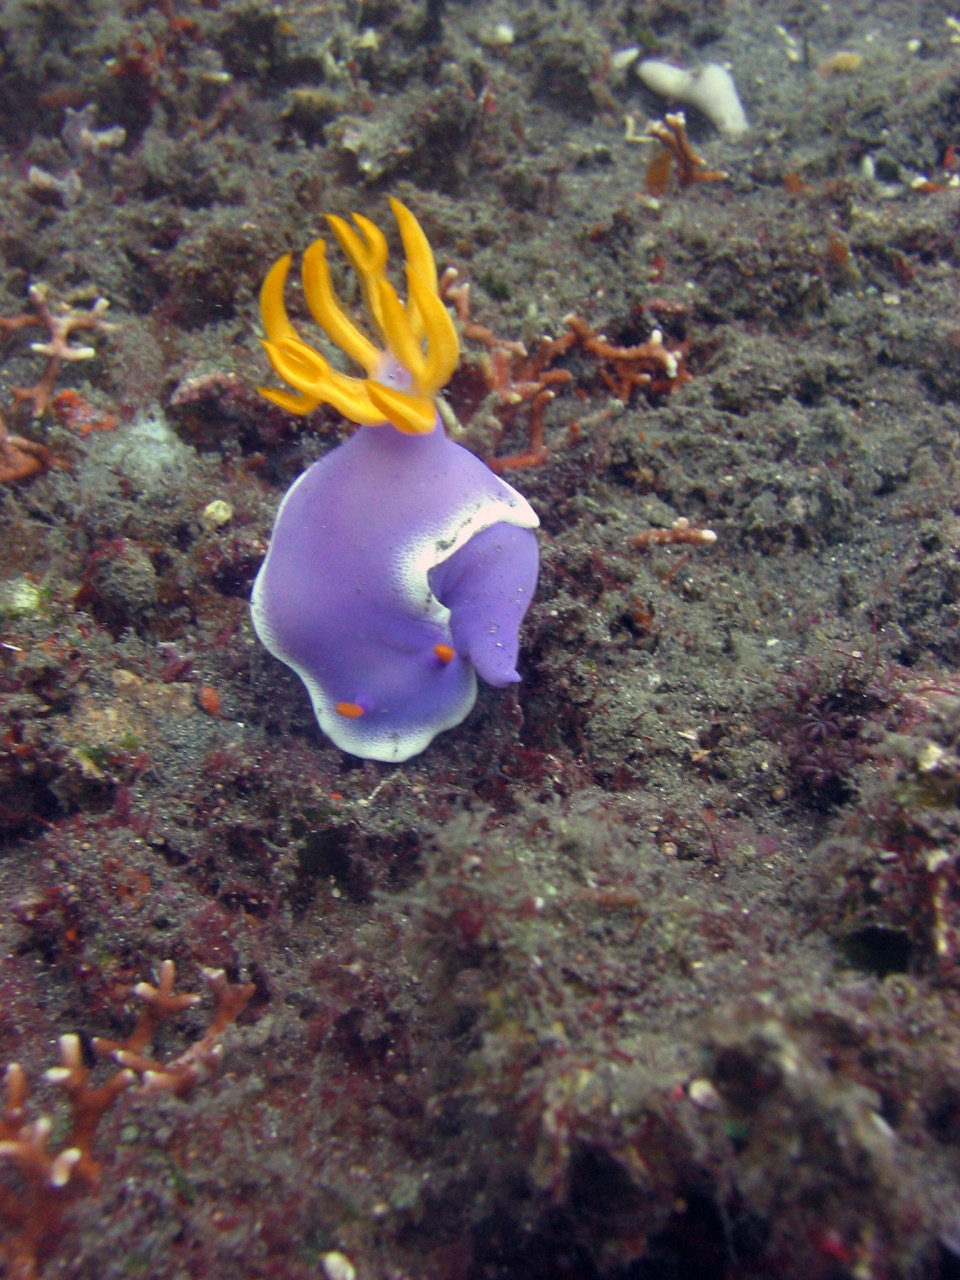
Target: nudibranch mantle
{"x":400,"y":566}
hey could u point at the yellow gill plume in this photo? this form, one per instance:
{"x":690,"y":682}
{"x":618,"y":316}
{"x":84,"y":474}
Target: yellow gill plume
{"x":419,"y":335}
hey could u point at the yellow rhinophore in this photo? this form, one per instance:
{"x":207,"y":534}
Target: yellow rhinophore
{"x":419,"y":336}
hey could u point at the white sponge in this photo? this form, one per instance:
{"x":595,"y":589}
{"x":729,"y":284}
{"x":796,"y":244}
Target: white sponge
{"x":711,"y":89}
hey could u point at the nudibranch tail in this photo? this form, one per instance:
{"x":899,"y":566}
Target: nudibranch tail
{"x":421,"y":348}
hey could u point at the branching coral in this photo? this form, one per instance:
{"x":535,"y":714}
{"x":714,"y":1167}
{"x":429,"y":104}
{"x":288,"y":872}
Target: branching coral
{"x":681,"y":533}
{"x":514,"y":377}
{"x":160,"y":1004}
{"x":21,"y":458}
{"x":45,"y":1182}
{"x":671,"y":133}
{"x":61,"y":323}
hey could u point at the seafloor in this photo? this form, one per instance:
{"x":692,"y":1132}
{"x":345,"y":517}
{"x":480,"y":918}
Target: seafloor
{"x":651,"y":968}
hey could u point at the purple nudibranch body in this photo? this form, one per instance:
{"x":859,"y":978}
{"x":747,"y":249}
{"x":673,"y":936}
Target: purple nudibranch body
{"x":400,"y":566}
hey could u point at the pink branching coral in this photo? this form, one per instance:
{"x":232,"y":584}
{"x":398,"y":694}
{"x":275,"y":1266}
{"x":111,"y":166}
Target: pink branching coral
{"x":43,"y":1182}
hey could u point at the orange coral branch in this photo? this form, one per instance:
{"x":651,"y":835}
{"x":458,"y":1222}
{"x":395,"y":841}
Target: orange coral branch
{"x":680,"y":533}
{"x":537,"y":452}
{"x":21,"y":458}
{"x":671,"y":133}
{"x":49,"y":1181}
{"x":649,"y":366}
{"x":161,"y":1003}
{"x":515,"y":378}
{"x":459,"y":295}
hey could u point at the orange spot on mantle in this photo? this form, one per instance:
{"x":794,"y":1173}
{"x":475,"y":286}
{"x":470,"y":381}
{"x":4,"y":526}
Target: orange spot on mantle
{"x":351,"y":710}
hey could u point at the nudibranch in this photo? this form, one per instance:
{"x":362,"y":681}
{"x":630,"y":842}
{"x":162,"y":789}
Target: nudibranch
{"x":399,"y":567}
